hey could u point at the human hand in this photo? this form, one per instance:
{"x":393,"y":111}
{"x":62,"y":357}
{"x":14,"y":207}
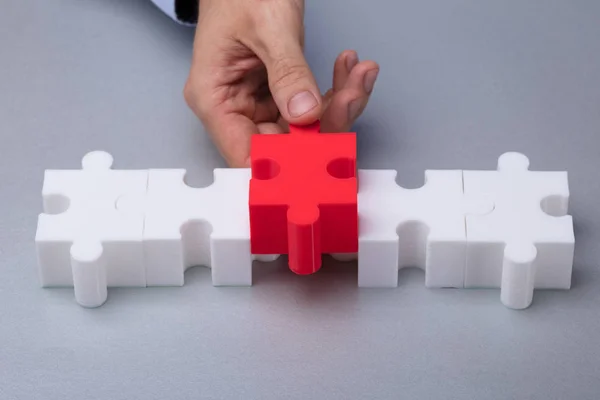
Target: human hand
{"x":249,"y":76}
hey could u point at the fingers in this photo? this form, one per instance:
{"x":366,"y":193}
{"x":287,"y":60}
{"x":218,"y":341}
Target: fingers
{"x":342,"y":67}
{"x":352,"y":89}
{"x":278,"y":43}
{"x":232,"y":134}
{"x":293,"y":86}
{"x":270,"y":128}
{"x":265,"y":110}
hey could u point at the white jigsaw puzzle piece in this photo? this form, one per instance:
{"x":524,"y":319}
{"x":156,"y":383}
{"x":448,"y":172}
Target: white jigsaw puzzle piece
{"x":422,"y":227}
{"x":527,"y":241}
{"x":80,"y":206}
{"x":208,"y":226}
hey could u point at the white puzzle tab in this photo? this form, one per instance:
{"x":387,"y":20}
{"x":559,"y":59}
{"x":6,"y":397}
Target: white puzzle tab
{"x":422,"y":227}
{"x":530,"y":209}
{"x":89,"y":273}
{"x":80,"y":205}
{"x":207,"y":226}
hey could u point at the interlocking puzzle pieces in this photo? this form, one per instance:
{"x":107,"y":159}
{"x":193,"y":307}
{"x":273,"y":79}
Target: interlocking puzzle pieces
{"x":506,"y":229}
{"x":395,"y":228}
{"x":102,"y":228}
{"x":303,"y":196}
{"x":82,"y":240}
{"x":105,"y":228}
{"x":423,"y":227}
{"x":527,"y":241}
{"x":198,"y":226}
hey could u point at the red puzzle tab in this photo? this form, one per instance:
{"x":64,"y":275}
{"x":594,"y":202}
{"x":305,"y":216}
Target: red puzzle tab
{"x":303,"y":196}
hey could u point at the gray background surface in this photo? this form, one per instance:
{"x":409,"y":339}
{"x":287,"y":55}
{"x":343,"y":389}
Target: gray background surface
{"x":461,"y":82}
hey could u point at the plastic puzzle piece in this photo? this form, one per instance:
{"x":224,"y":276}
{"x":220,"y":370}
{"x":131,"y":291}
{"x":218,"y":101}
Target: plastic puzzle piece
{"x":207,"y":226}
{"x":89,"y":273}
{"x":303,"y":196}
{"x":527,"y":241}
{"x":80,"y":206}
{"x":423,"y":227}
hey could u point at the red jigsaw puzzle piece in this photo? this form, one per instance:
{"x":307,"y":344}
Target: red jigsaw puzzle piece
{"x":303,"y":196}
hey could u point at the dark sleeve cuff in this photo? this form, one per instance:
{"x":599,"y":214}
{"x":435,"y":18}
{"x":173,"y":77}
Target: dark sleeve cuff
{"x":182,"y":11}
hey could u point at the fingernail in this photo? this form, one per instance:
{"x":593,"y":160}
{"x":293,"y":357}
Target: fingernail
{"x":351,"y":61}
{"x":301,"y":103}
{"x":369,"y":81}
{"x":354,"y":109}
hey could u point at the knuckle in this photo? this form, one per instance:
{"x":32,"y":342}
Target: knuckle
{"x":287,"y":72}
{"x":188,"y":93}
{"x":194,"y":99}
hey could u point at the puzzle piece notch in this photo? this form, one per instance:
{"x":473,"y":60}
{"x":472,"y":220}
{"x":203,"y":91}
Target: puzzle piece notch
{"x":530,"y":212}
{"x":303,"y":195}
{"x":206,"y":226}
{"x":79,"y":205}
{"x":422,"y":227}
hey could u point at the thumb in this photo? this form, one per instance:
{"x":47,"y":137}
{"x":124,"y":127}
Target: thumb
{"x":291,"y":81}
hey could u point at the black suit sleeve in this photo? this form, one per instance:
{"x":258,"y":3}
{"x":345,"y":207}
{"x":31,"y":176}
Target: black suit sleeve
{"x":186,"y":11}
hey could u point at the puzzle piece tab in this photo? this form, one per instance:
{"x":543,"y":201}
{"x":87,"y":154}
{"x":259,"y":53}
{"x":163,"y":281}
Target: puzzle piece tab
{"x":303,"y":196}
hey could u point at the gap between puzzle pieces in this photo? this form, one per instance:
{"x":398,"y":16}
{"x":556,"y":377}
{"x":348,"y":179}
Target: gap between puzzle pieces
{"x":104,"y":228}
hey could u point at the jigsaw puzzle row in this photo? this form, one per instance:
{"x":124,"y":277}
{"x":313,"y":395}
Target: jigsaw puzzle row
{"x":507,"y":228}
